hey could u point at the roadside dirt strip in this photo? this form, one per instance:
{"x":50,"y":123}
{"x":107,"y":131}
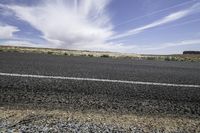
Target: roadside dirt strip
{"x":42,"y":120}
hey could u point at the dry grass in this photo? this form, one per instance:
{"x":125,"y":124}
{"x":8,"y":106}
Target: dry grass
{"x":169,"y":123}
{"x":66,"y":52}
{"x":191,"y":58}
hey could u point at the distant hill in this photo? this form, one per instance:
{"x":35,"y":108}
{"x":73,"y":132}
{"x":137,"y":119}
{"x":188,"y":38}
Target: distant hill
{"x":191,"y":52}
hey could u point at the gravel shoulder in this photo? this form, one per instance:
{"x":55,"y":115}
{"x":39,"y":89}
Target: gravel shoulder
{"x":66,"y":121}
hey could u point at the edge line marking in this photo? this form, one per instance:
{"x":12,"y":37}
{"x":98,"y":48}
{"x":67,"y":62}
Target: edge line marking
{"x":98,"y":80}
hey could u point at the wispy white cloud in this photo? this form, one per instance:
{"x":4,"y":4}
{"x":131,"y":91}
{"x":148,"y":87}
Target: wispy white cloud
{"x":4,"y":12}
{"x":22,"y":43}
{"x":174,"y":44}
{"x":67,"y":23}
{"x":155,"y":12}
{"x":7,"y":31}
{"x":170,"y":18}
{"x":115,"y":47}
{"x":119,"y":47}
{"x":161,"y":48}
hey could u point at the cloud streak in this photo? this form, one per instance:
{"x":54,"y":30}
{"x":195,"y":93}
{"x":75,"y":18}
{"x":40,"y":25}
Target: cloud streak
{"x":170,"y":18}
{"x":175,"y":44}
{"x":155,"y":12}
{"x":22,"y":43}
{"x":67,"y":23}
{"x":168,"y":47}
{"x":7,"y":31}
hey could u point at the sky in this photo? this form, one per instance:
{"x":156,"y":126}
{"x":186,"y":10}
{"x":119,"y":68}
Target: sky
{"x":127,"y":26}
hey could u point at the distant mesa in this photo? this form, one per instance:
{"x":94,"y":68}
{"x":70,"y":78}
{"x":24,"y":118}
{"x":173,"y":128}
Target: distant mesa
{"x":191,"y":52}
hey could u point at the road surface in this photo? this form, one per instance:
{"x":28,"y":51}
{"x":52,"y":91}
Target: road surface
{"x":87,"y":83}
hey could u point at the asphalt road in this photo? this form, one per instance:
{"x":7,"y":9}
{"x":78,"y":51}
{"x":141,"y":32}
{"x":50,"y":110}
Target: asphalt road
{"x":92,"y":95}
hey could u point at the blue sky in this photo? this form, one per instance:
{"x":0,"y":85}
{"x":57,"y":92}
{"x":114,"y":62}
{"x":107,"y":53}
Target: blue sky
{"x":130,"y":26}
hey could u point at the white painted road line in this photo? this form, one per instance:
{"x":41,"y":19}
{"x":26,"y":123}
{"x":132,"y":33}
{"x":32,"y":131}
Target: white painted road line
{"x":98,"y":80}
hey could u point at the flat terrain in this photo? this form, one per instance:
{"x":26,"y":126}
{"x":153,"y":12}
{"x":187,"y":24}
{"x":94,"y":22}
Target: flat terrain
{"x":105,"y":54}
{"x":121,"y":104}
